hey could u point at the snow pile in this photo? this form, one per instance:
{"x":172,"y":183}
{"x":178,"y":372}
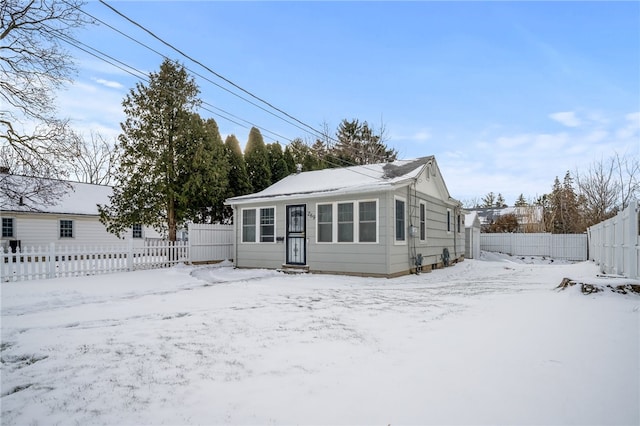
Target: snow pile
{"x":481,"y":342}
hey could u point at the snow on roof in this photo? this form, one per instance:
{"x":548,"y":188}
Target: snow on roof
{"x":344,"y":180}
{"x":81,"y":198}
{"x":470,"y":219}
{"x":525,"y":214}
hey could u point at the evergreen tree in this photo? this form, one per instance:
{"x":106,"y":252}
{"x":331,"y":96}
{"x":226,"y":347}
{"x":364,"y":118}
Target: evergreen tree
{"x":521,"y":202}
{"x":358,"y":144}
{"x":489,"y":200}
{"x":289,"y":160}
{"x":155,"y":140}
{"x":565,"y":209}
{"x":500,"y":202}
{"x":277,"y":164}
{"x":257,"y":161}
{"x":205,"y":186}
{"x":303,"y":155}
{"x":238,"y":177}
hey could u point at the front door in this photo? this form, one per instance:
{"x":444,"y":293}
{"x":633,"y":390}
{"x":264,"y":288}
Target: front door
{"x":296,"y":237}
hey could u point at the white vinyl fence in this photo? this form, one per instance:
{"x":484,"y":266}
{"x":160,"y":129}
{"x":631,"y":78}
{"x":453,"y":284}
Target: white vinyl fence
{"x":210,"y":242}
{"x":32,"y":263}
{"x":615,"y":243}
{"x":558,"y":246}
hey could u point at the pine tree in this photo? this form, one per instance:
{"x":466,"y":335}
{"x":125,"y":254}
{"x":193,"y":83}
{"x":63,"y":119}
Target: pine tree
{"x":155,"y":137}
{"x":521,"y":202}
{"x":277,"y":163}
{"x":489,"y":200}
{"x":359,"y":144}
{"x":500,"y":202}
{"x":257,"y":161}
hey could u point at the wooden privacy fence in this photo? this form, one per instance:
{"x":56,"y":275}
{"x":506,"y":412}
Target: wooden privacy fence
{"x":66,"y":261}
{"x":558,"y":246}
{"x":614,"y":244}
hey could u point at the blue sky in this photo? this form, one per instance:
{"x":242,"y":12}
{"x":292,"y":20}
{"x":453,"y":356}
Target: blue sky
{"x":506,"y":95}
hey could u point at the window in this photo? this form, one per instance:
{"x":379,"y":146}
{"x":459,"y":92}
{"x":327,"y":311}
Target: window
{"x":345,"y":223}
{"x":66,"y":229}
{"x":264,"y":231}
{"x":400,"y":228}
{"x":367,"y":222}
{"x":325,"y":223}
{"x":137,"y":231}
{"x":423,"y":221}
{"x":448,"y":220}
{"x":249,"y":226}
{"x":267,"y":225}
{"x":7,"y":227}
{"x":459,"y":222}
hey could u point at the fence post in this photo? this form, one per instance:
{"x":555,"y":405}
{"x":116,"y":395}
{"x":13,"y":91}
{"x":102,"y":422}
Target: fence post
{"x":51,"y":261}
{"x":130,"y":254}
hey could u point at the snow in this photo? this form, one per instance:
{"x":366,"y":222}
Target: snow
{"x":488,"y":341}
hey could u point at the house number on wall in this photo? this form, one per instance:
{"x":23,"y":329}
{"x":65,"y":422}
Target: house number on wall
{"x":311,"y":216}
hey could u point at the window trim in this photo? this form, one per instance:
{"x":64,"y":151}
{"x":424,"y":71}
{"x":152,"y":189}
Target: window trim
{"x":403,"y":200}
{"x":449,"y":219}
{"x":318,"y":223}
{"x":257,"y":226}
{"x":13,"y":227}
{"x":352,"y":222}
{"x":355,"y":222}
{"x":422,"y":221}
{"x":73,"y":229}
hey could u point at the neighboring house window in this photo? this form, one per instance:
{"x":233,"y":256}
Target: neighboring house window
{"x":66,"y":228}
{"x":345,"y":223}
{"x":423,"y":221}
{"x":400,"y":220}
{"x":368,"y":222}
{"x":325,"y":223}
{"x":249,"y":226}
{"x":448,"y":220}
{"x":7,"y":227}
{"x":337,"y":222}
{"x":137,"y":231}
{"x":267,"y":225}
{"x":265,"y":231}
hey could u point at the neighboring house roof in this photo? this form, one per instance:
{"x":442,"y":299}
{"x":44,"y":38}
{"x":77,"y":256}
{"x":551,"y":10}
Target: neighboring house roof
{"x":81,"y":198}
{"x":526,"y":214}
{"x":346,"y":180}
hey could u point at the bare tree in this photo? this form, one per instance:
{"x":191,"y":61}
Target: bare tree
{"x":33,"y":65}
{"x":600,"y":190}
{"x":628,"y":173}
{"x":95,"y":160}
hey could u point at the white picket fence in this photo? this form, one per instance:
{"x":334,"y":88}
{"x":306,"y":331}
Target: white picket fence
{"x":558,"y":246}
{"x":32,"y":263}
{"x":614,"y":244}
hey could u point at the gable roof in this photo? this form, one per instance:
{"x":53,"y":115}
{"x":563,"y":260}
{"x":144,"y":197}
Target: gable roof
{"x":80,"y":198}
{"x":525,"y":214}
{"x":346,"y":180}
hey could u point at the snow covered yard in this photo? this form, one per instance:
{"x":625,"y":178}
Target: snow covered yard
{"x":483,"y":342}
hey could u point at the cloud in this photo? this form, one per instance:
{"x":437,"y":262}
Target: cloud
{"x":631,"y":128}
{"x":108,"y":83}
{"x":567,"y":118}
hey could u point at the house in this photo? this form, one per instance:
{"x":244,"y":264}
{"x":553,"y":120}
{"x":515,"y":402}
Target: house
{"x":374,"y":220}
{"x":72,"y":219}
{"x":471,"y":236}
{"x":530,"y":218}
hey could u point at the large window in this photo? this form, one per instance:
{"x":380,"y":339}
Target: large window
{"x":367,"y":222}
{"x":325,"y":223}
{"x":345,"y":223}
{"x":400,"y":220}
{"x":7,"y":227}
{"x":423,"y":221}
{"x":267,"y":225}
{"x":249,"y":226}
{"x":66,"y":228}
{"x":263,"y":231}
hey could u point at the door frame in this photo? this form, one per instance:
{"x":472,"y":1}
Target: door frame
{"x":292,"y":236}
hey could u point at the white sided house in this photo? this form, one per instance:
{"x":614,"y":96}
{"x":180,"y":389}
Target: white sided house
{"x":71,"y":220}
{"x":385,"y":219}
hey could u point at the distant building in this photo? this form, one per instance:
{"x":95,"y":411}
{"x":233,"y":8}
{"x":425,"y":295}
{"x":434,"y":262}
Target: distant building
{"x":530,"y":218}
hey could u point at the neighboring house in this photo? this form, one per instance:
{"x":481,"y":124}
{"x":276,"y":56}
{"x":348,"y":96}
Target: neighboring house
{"x":72,"y":219}
{"x":530,"y":218}
{"x":471,"y":236}
{"x":374,"y":220}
